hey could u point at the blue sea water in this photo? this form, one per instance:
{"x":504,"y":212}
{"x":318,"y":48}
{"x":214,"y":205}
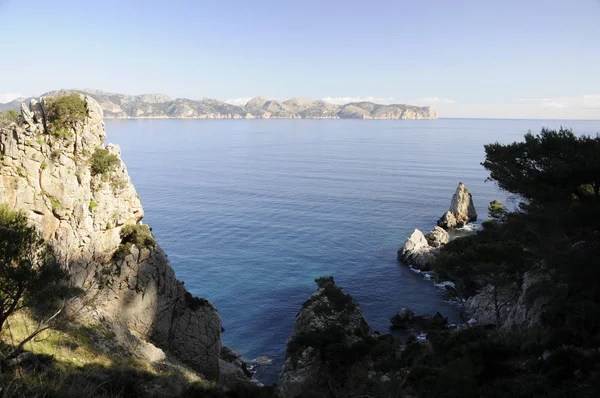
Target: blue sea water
{"x":250,"y":212}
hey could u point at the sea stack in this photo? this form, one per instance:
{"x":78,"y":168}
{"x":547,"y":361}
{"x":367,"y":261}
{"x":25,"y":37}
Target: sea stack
{"x":462,"y":210}
{"x":420,"y":250}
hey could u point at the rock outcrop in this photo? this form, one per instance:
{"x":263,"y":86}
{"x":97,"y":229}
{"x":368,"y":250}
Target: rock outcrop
{"x":327,"y":316}
{"x":510,"y":305}
{"x":461,"y":210}
{"x":406,"y":319}
{"x":419,"y":250}
{"x":48,"y":176}
{"x":332,"y":354}
{"x":159,"y":106}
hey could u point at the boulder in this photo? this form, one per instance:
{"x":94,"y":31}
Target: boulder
{"x":437,"y":237}
{"x":420,"y":250}
{"x":462,"y":210}
{"x":416,"y":251}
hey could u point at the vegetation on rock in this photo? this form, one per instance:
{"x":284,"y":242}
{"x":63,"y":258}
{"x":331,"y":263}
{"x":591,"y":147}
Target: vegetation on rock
{"x":553,"y":233}
{"x":62,"y":112}
{"x":103,"y":162}
{"x":8,"y":117}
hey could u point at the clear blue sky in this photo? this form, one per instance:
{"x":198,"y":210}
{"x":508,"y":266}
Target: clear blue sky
{"x":447,"y":53}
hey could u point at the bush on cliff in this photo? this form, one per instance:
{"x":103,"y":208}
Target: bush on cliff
{"x":8,"y":117}
{"x":62,"y":112}
{"x":103,"y":162}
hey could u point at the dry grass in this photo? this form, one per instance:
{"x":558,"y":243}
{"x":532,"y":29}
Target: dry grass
{"x":73,"y":364}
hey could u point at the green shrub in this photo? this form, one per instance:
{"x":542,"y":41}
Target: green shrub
{"x":93,"y":205}
{"x":103,"y":162}
{"x":55,"y":203}
{"x":29,"y":273}
{"x":43,"y":165}
{"x":63,"y":112}
{"x":9,"y":117}
{"x":339,"y":300}
{"x":138,"y":235}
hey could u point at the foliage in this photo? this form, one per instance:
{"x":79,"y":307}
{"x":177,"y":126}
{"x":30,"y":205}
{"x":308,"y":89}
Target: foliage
{"x":8,"y":117}
{"x":55,"y":203}
{"x":63,"y":112}
{"x":29,"y":272}
{"x":138,"y":234}
{"x":103,"y":162}
{"x":554,"y":235}
{"x":131,"y":234}
{"x":92,"y":205}
{"x":553,"y":166}
{"x":339,"y":300}
{"x":497,"y":210}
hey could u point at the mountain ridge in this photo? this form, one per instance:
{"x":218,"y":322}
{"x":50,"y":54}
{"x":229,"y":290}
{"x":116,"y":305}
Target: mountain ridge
{"x":162,"y":106}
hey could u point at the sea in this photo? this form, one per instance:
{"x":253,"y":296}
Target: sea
{"x":250,"y":212}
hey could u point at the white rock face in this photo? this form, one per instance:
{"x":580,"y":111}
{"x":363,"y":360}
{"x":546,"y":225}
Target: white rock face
{"x":416,"y":251}
{"x":49,"y":178}
{"x":437,"y":237}
{"x":462,"y":210}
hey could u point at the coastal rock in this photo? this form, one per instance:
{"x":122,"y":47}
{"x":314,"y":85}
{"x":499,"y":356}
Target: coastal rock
{"x":81,"y":215}
{"x":461,"y":210}
{"x":511,"y":305}
{"x":406,"y":319}
{"x":437,"y":237}
{"x":326,"y":315}
{"x":417,"y":251}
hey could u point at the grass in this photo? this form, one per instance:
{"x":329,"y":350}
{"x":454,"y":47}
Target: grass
{"x":74,"y":365}
{"x":55,"y":203}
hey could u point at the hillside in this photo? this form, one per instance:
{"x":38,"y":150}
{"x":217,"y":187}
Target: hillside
{"x":120,"y":314}
{"x":119,"y":106}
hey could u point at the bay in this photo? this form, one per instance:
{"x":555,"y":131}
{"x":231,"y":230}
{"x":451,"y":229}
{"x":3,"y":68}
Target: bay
{"x":250,"y":212}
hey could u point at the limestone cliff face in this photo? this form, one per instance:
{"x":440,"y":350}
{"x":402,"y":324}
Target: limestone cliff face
{"x":49,"y":177}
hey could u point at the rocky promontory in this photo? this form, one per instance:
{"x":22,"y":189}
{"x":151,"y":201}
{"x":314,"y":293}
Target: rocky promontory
{"x":77,"y":192}
{"x":161,"y":106}
{"x":419,"y":250}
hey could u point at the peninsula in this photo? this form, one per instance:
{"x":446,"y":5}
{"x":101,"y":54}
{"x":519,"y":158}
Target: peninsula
{"x":161,"y":106}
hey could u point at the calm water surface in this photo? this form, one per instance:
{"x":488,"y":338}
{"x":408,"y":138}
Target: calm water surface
{"x":250,"y":212}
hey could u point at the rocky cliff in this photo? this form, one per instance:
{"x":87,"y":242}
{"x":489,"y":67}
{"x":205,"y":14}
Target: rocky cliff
{"x":462,"y":210}
{"x":90,"y":216}
{"x":331,"y":352}
{"x":121,"y":106}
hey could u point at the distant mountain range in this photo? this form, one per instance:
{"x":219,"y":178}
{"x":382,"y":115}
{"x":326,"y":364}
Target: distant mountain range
{"x":161,"y":106}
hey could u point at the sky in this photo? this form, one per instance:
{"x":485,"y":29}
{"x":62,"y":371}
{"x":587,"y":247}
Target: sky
{"x":467,"y":58}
